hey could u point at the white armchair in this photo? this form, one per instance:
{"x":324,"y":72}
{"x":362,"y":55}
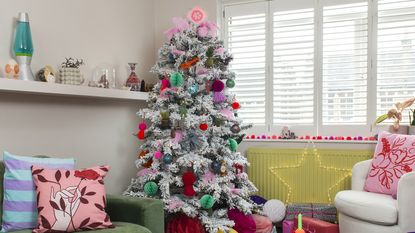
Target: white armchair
{"x":365,"y":212}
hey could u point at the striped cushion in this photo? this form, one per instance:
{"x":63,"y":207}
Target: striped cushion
{"x":19,"y":205}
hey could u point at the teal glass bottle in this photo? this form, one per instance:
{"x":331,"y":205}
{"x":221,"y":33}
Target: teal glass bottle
{"x":23,"y":45}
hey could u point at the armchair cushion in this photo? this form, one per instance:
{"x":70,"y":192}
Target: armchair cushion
{"x":369,"y":207}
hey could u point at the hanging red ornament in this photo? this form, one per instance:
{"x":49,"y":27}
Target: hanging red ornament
{"x":141,"y":134}
{"x":188,"y":180}
{"x":203,"y":126}
{"x":236,"y":105}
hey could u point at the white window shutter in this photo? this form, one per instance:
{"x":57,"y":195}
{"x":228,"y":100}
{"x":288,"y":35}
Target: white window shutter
{"x":396,"y":53}
{"x":246,"y":40}
{"x":345,"y":46}
{"x":293,"y":67}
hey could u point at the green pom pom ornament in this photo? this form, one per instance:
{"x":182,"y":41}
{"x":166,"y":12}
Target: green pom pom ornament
{"x":233,"y":144}
{"x":176,"y":79}
{"x":151,"y":188}
{"x":230,"y":83}
{"x":207,"y":201}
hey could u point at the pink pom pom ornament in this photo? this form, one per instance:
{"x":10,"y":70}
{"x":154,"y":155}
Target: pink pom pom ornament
{"x":218,"y":97}
{"x":142,"y":126}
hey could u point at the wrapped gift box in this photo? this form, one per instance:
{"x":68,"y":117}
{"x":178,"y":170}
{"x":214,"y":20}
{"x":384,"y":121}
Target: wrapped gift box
{"x":323,"y":212}
{"x":288,"y":226}
{"x":312,"y":225}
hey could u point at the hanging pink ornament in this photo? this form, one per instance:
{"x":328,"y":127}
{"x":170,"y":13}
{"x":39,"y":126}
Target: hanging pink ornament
{"x":203,"y":31}
{"x":218,"y":97}
{"x":236,"y":191}
{"x":207,"y":29}
{"x":146,"y":171}
{"x":227,"y":113}
{"x":219,"y":51}
{"x":218,"y":86}
{"x":196,"y":15}
{"x":180,"y":25}
{"x":177,"y":137}
{"x":201,"y":70}
{"x":178,"y":52}
{"x":175,"y":204}
{"x":157,"y":155}
{"x":142,"y":126}
{"x":165,"y":83}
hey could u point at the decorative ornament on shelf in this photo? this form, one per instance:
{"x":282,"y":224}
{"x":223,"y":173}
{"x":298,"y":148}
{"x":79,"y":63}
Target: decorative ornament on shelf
{"x":133,"y":82}
{"x":396,"y":114}
{"x":46,"y":74}
{"x":12,"y":69}
{"x":151,"y":188}
{"x":287,"y":134}
{"x":207,"y":201}
{"x":176,"y":79}
{"x":104,"y":76}
{"x":23,"y":47}
{"x":188,"y":180}
{"x":70,"y":72}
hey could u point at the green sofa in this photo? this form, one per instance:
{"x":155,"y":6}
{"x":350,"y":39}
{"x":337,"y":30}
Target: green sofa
{"x":128,"y":214}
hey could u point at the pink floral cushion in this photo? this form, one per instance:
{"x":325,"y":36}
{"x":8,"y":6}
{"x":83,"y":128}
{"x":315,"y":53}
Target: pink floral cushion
{"x":394,"y":156}
{"x":70,"y":200}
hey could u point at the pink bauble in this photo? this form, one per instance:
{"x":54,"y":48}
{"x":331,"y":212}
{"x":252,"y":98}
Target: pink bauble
{"x":274,"y":137}
{"x":142,"y":126}
{"x":218,"y":97}
{"x":165,"y":83}
{"x":218,"y":86}
{"x":157,"y":155}
{"x":263,"y":136}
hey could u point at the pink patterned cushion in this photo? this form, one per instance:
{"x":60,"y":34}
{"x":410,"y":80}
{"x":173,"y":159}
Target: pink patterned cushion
{"x":70,"y":200}
{"x":394,"y":156}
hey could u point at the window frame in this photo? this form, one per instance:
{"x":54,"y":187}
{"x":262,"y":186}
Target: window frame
{"x":317,"y":128}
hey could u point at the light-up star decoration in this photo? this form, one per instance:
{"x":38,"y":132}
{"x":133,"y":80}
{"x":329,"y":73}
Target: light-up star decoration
{"x":306,"y":178}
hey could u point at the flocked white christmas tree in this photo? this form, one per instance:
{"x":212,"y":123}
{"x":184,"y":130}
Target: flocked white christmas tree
{"x":188,"y":158}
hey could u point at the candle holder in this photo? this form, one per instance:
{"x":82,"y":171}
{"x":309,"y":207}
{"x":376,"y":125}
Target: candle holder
{"x":23,"y":47}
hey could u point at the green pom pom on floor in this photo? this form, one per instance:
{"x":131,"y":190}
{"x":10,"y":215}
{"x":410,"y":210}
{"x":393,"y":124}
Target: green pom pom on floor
{"x":176,"y":79}
{"x":207,"y":201}
{"x":233,"y":145}
{"x":151,"y":188}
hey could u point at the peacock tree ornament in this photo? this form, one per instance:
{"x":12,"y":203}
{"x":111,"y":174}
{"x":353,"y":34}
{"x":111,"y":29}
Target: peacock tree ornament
{"x":193,"y":135}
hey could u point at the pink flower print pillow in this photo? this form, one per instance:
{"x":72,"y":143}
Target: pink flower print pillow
{"x":70,"y":200}
{"x":394,"y":157}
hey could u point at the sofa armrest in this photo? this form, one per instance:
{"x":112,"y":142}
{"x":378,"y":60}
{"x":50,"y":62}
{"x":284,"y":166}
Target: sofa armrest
{"x":359,"y":174}
{"x":406,"y":203}
{"x":142,"y":211}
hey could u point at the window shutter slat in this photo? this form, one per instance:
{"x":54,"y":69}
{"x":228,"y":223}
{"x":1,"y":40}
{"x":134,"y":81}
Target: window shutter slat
{"x":345,"y":43}
{"x":246,"y":32}
{"x":396,"y":53}
{"x":293,"y":89}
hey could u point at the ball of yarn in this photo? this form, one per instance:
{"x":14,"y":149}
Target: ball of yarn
{"x":157,"y":155}
{"x":230,"y":83}
{"x":167,"y":158}
{"x":142,"y":126}
{"x":151,"y":188}
{"x":176,"y":79}
{"x":275,"y":210}
{"x":218,"y":86}
{"x":233,"y":145}
{"x":207,"y":201}
{"x":218,"y":97}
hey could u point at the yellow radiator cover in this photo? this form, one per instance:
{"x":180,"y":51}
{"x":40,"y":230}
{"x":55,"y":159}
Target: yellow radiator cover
{"x":302,"y":175}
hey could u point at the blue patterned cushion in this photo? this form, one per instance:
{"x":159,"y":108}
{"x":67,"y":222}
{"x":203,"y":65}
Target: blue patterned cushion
{"x":19,"y":205}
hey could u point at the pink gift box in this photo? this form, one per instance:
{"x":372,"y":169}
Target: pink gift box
{"x":288,"y":226}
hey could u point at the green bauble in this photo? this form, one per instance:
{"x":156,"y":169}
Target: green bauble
{"x":151,"y":188}
{"x":233,"y":145}
{"x":207,"y":201}
{"x":230,"y":83}
{"x":176,"y":79}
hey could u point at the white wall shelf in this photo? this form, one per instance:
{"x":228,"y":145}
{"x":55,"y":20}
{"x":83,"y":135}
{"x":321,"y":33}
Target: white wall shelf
{"x":54,"y":89}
